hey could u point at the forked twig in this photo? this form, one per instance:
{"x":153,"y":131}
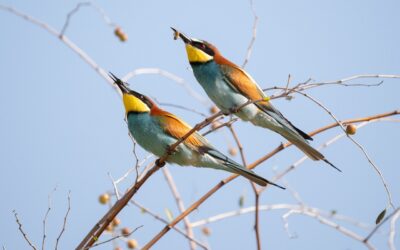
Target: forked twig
{"x":22,"y":231}
{"x":65,"y":221}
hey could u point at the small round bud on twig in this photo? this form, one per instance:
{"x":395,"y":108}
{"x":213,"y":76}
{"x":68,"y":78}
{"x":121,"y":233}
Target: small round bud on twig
{"x":232,"y":151}
{"x":206,"y":231}
{"x":125,"y":231}
{"x":214,"y":109}
{"x":132,"y":244}
{"x":123,"y":37}
{"x":116,"y":221}
{"x":104,"y":198}
{"x":110,"y":227}
{"x":351,"y":129}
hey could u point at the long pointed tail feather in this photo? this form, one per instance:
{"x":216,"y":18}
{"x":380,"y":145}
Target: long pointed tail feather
{"x":311,"y":152}
{"x":248,"y":174}
{"x":236,"y":168}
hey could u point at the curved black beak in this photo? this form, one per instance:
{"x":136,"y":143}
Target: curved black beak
{"x":120,"y":84}
{"x":184,"y":38}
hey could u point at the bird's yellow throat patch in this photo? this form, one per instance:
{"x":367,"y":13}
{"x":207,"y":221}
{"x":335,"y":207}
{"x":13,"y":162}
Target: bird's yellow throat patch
{"x":134,"y":104}
{"x":197,"y":55}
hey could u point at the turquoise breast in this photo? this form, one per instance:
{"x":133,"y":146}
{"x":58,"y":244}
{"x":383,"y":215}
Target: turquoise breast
{"x":220,"y":92}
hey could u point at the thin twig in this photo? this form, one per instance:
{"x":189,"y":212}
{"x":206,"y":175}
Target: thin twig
{"x":253,"y":36}
{"x":330,"y":223}
{"x":115,"y":187}
{"x":397,"y":210}
{"x":180,"y":107}
{"x":65,"y":221}
{"x":45,"y":218}
{"x":257,"y":217}
{"x":169,"y":75}
{"x":256,"y":193}
{"x":123,"y":177}
{"x":64,"y":39}
{"x":225,"y":124}
{"x":159,"y":218}
{"x":375,"y":167}
{"x":114,"y":238}
{"x":179,"y":203}
{"x":342,"y":82}
{"x":103,"y":14}
{"x":70,"y":14}
{"x":392,"y":231}
{"x":282,"y":206}
{"x":23,"y":232}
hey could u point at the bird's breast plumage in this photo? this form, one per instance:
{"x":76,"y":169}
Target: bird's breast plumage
{"x":148,"y":133}
{"x":214,"y":83}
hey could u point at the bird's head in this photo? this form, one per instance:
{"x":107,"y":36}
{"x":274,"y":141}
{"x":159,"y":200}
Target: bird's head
{"x":198,"y":51}
{"x":133,"y":101}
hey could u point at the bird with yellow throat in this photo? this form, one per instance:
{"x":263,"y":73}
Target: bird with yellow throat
{"x":156,"y":130}
{"x":233,"y":90}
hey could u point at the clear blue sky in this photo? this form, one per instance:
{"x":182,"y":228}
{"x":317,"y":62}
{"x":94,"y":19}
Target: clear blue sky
{"x":63,"y":125}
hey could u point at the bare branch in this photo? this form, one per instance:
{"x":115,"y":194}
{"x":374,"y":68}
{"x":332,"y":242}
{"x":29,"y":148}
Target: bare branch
{"x":285,"y":92}
{"x":351,"y":78}
{"x":394,"y":213}
{"x":45,"y":218}
{"x":225,"y":124}
{"x":179,"y":202}
{"x":169,"y":75}
{"x":256,"y":193}
{"x":22,"y":231}
{"x":242,"y":211}
{"x":375,"y":167}
{"x":77,"y":8}
{"x":180,"y":107}
{"x":115,"y":187}
{"x":65,"y":221}
{"x":253,"y":37}
{"x":64,"y":39}
{"x":114,"y":238}
{"x":149,"y":156}
{"x":329,"y":223}
{"x":159,"y":218}
{"x":70,"y":14}
{"x":392,"y":231}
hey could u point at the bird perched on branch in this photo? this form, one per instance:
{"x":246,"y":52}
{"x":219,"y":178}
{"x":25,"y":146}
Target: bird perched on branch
{"x":233,"y":90}
{"x":156,"y":130}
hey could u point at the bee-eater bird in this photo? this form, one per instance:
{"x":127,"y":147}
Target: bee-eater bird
{"x":230,"y":88}
{"x":156,"y":130}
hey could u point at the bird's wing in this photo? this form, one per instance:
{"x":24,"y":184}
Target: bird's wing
{"x":243,"y":83}
{"x":177,"y":128}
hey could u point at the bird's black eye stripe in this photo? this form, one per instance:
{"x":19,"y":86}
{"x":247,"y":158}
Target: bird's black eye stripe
{"x":203,"y":47}
{"x":146,"y":100}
